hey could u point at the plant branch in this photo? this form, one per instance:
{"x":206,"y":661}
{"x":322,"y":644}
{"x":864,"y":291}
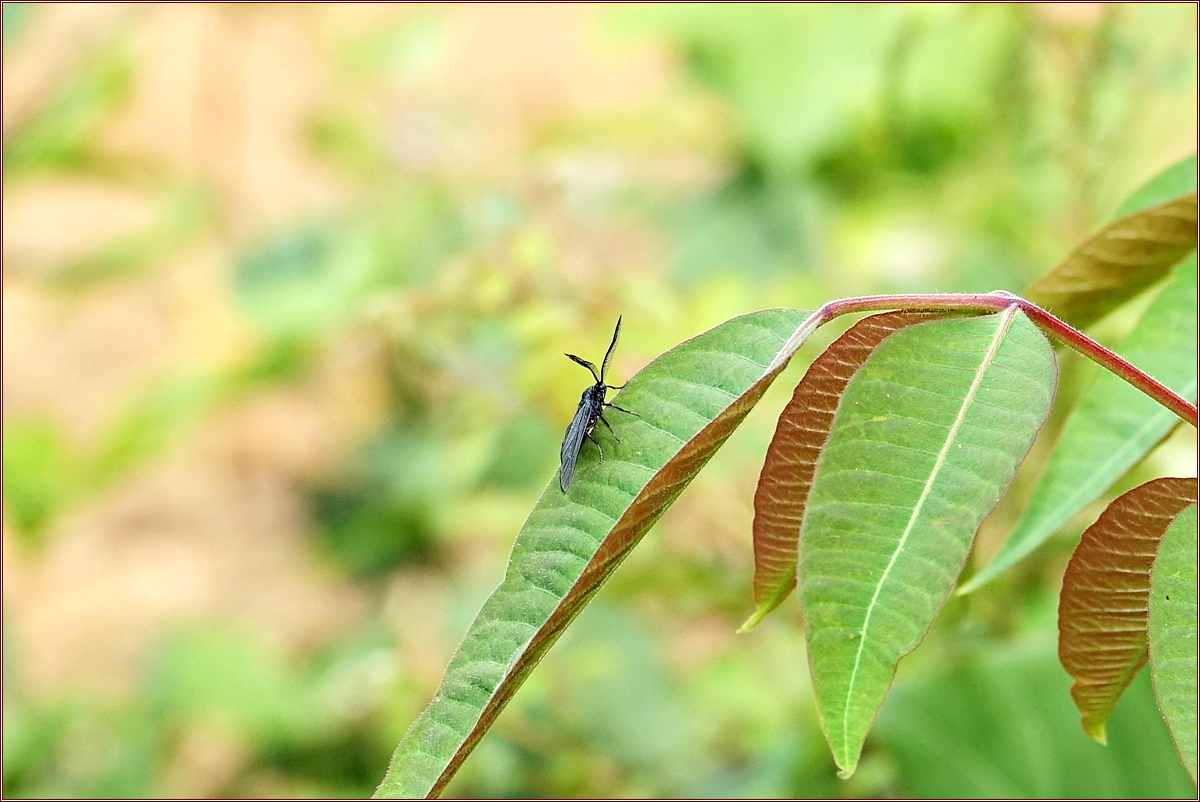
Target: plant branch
{"x":996,"y":302}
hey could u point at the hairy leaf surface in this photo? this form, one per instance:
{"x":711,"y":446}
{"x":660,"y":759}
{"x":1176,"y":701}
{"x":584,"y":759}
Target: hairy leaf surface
{"x":1103,"y":606}
{"x":1173,"y":631}
{"x":791,"y":459}
{"x":1114,"y":426}
{"x":929,"y":434}
{"x":689,"y":401}
{"x":1118,"y":262}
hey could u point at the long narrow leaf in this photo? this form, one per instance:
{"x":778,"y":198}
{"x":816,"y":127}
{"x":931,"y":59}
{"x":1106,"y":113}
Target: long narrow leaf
{"x":1103,"y":607}
{"x":1114,"y":426}
{"x":1118,"y":262}
{"x":791,"y":459}
{"x":929,"y":433}
{"x":1173,"y":632}
{"x":689,"y":400}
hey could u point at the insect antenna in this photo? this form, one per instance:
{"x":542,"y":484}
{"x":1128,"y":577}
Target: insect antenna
{"x":585,"y":363}
{"x":611,"y":346}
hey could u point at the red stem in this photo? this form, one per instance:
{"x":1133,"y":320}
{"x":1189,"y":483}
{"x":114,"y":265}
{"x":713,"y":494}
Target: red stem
{"x":1000,"y":300}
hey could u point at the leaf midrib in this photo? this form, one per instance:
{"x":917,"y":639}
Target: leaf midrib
{"x":1005,"y":321}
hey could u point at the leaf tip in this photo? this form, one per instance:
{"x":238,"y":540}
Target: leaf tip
{"x":970,"y":586}
{"x":1097,"y":731}
{"x":754,"y":620}
{"x":981,"y":577}
{"x":847,"y":758}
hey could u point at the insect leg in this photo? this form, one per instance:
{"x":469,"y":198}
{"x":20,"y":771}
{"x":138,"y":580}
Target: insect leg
{"x":597,"y":442}
{"x":610,"y":428}
{"x":627,"y":411}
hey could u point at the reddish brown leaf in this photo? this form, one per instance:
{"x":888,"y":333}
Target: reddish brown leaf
{"x":1103,"y":609}
{"x":1118,"y":262}
{"x":791,"y":459}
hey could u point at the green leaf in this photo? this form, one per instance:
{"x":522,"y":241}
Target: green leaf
{"x":689,"y":401}
{"x":1178,"y":179}
{"x":1102,"y":609}
{"x":1114,"y":426}
{"x":1118,"y":262}
{"x":928,"y":435}
{"x":1173,"y":632}
{"x":791,"y":459}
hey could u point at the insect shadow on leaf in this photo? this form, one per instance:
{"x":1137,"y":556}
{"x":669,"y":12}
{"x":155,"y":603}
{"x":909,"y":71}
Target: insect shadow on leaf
{"x":591,"y":409}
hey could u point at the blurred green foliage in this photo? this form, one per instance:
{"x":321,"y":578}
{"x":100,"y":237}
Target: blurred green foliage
{"x":844,"y":149}
{"x":302,"y":721}
{"x":62,"y":135}
{"x":1002,"y":725}
{"x":384,"y":511}
{"x":39,"y":471}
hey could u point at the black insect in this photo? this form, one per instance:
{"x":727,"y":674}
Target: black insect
{"x":591,"y":409}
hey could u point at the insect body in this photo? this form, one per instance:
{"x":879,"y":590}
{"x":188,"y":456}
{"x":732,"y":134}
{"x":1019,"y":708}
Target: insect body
{"x":591,"y":409}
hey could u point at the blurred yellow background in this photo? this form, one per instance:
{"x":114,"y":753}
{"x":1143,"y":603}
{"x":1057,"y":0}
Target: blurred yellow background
{"x":286,"y":291}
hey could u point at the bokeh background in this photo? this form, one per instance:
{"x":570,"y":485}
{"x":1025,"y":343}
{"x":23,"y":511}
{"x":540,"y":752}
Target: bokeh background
{"x":286,"y":292}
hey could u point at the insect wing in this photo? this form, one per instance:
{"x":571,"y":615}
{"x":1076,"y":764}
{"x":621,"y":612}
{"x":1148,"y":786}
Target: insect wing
{"x":572,"y":442}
